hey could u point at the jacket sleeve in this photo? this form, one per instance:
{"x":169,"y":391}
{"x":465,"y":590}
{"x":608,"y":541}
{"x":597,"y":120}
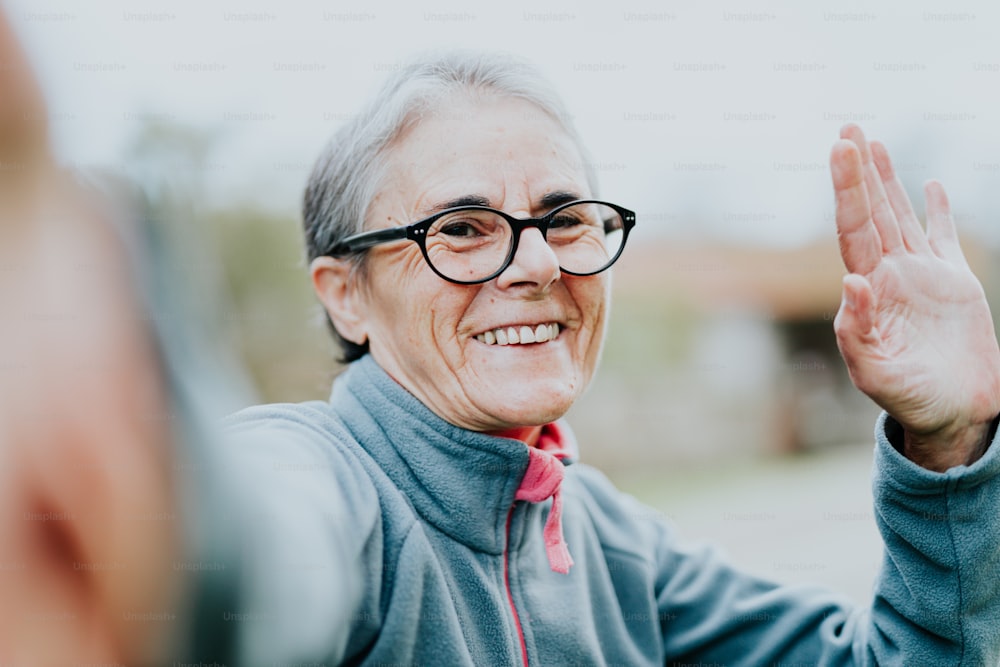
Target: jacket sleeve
{"x":936,"y":599}
{"x":303,"y":519}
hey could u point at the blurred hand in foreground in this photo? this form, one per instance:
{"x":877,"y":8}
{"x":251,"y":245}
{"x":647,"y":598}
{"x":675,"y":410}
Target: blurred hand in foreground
{"x":914,"y":326}
{"x":84,"y":560}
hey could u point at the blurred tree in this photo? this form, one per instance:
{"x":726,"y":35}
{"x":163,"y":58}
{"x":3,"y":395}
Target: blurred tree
{"x":242,"y":264}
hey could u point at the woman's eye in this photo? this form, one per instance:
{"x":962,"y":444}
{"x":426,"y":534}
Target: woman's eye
{"x":458,"y":228}
{"x":563,"y":221}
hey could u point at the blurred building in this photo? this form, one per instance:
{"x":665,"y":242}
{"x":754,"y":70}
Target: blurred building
{"x":716,"y":350}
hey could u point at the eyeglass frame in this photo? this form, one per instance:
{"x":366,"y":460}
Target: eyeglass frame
{"x":417,"y":232}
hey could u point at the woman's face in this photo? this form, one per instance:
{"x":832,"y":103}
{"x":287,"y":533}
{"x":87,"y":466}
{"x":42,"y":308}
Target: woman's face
{"x":427,"y":333}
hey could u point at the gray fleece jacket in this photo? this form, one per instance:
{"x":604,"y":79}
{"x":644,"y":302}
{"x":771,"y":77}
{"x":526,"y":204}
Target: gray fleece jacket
{"x":382,"y":535}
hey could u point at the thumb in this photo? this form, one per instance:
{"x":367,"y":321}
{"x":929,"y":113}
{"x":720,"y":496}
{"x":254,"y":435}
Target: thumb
{"x":855,"y":321}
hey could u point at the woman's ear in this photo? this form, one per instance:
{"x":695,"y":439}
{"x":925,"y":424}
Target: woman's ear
{"x":337,"y":288}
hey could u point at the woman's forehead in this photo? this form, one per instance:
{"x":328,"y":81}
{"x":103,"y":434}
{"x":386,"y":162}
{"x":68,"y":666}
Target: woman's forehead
{"x":507,"y":149}
{"x":486,"y":134}
{"x":521,"y":193}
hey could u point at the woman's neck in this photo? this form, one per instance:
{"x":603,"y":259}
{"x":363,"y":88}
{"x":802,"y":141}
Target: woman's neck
{"x":526,"y":434}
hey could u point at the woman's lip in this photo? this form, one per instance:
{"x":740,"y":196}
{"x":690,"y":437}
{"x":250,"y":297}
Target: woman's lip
{"x":521,"y":334}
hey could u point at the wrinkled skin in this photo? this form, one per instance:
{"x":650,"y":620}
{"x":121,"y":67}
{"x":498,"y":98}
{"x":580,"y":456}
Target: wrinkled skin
{"x":914,"y":326}
{"x":422,"y":329}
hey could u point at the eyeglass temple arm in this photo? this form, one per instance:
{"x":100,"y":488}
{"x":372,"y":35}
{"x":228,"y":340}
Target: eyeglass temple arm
{"x":366,"y":240}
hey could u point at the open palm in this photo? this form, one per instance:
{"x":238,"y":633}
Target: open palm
{"x":914,"y":326}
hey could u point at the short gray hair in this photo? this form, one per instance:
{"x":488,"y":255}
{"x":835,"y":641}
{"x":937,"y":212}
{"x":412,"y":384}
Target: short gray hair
{"x":348,"y":173}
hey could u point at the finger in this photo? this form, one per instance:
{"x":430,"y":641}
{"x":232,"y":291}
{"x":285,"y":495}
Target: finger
{"x":909,"y":226}
{"x":941,"y":233}
{"x":855,"y":327}
{"x":23,"y":121}
{"x":881,"y":211}
{"x":860,"y":245}
{"x":24,"y":148}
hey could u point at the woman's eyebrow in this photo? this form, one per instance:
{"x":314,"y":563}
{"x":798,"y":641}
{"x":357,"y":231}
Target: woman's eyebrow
{"x":553,"y":199}
{"x":549,"y":200}
{"x":464,"y":200}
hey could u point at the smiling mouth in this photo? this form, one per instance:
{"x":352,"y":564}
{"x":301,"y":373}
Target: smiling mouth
{"x":522,"y":335}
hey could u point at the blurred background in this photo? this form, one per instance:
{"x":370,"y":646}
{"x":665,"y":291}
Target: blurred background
{"x":721,"y":400}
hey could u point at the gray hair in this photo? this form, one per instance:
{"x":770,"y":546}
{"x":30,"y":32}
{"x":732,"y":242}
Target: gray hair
{"x":349,"y":172}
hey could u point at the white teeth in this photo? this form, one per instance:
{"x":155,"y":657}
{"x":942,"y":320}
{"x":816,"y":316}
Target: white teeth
{"x":522,"y":335}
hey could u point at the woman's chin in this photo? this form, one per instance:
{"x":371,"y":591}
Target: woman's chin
{"x":529,"y":401}
{"x":526,"y":385}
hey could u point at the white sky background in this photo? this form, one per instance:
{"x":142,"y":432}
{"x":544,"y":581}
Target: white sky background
{"x":708,"y":118}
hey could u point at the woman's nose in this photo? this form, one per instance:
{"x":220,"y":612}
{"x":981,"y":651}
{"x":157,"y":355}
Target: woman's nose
{"x":534,"y":264}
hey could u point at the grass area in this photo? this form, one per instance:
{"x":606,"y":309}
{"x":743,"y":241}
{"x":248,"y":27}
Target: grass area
{"x":802,"y":519}
{"x":665,"y":486}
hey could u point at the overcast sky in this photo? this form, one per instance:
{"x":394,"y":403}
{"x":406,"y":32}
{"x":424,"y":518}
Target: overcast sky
{"x":706,"y":117}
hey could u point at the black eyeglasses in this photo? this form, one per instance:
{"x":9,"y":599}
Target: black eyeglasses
{"x":474,"y":244}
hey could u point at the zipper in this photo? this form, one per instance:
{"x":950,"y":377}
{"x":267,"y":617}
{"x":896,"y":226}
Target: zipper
{"x":510,"y":596}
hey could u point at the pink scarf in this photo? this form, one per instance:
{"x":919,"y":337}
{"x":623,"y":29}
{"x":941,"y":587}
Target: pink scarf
{"x":542,"y":480}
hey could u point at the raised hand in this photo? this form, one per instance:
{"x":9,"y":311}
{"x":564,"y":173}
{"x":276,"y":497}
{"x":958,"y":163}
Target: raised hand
{"x":914,"y":326}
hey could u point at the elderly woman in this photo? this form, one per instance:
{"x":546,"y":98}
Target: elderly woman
{"x":459,"y":249}
{"x":433,"y":511}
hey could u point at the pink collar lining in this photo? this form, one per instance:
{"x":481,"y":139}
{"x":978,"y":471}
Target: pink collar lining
{"x":542,"y":480}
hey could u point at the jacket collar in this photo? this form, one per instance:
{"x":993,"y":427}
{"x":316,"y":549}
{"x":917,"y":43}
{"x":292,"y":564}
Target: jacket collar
{"x":462,"y":482}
